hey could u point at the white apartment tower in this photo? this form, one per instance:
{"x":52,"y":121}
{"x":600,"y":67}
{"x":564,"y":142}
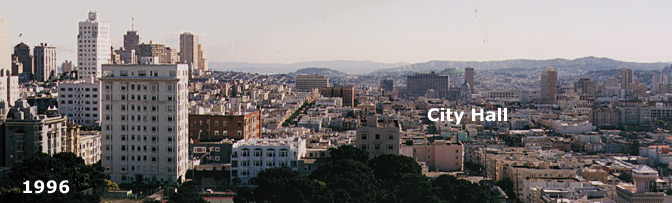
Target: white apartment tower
{"x":93,"y":46}
{"x":144,"y":123}
{"x":44,"y":63}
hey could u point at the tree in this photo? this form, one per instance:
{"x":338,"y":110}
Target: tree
{"x":286,"y":185}
{"x":112,"y":185}
{"x":348,"y":180}
{"x":507,"y":186}
{"x":392,"y":167}
{"x":60,"y":167}
{"x":451,"y":189}
{"x":626,"y":177}
{"x":349,"y":152}
{"x":185,"y":194}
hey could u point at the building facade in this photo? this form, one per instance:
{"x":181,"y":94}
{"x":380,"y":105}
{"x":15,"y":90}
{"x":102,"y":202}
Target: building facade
{"x":251,"y":156}
{"x":420,"y":83}
{"x":80,"y":101}
{"x":306,"y":83}
{"x":379,"y":136}
{"x":549,"y":79}
{"x":345,"y":92}
{"x":215,"y":127}
{"x":45,"y":66}
{"x":144,"y":123}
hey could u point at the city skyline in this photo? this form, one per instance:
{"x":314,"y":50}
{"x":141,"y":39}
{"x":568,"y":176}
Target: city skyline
{"x":380,"y":31}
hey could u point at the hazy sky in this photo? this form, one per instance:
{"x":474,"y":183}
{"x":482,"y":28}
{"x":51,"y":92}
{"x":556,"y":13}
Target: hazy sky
{"x":383,"y":31}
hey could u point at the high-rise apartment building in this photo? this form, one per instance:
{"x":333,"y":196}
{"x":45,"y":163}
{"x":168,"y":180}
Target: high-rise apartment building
{"x":8,"y":83}
{"x":202,"y":60}
{"x":93,"y":46}
{"x":80,"y":100}
{"x":189,"y":51}
{"x":586,"y":87}
{"x":420,"y":83}
{"x":658,"y":81}
{"x":549,"y":79}
{"x":45,"y":66}
{"x":67,"y":66}
{"x":627,"y":78}
{"x":145,"y":121}
{"x":155,"y":50}
{"x":469,"y":77}
{"x":306,"y":83}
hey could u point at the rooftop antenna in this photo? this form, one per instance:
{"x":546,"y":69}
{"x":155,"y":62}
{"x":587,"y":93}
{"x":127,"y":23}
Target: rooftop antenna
{"x":133,"y":23}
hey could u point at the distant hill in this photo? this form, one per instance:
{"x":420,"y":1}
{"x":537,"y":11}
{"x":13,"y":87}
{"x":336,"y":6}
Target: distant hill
{"x":320,"y":71}
{"x":580,"y":64}
{"x":346,"y":66}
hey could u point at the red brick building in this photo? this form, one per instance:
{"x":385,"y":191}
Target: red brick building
{"x":215,"y":126}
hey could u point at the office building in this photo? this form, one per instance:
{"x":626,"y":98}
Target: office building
{"x":549,"y":79}
{"x":379,"y":136}
{"x":306,"y":83}
{"x":217,"y":126}
{"x":420,"y":83}
{"x":586,"y":87}
{"x":67,"y":66}
{"x":156,"y":50}
{"x":345,"y":92}
{"x":144,"y":122}
{"x":93,"y":46}
{"x":131,"y":40}
{"x":202,"y":60}
{"x":469,"y":77}
{"x":80,"y":100}
{"x":387,"y":85}
{"x":45,"y":66}
{"x":251,"y":156}
{"x":8,"y":84}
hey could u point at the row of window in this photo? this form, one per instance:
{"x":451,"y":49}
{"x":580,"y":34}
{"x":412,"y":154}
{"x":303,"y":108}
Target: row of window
{"x":139,"y":138}
{"x":376,"y":146}
{"x":259,"y":163}
{"x":377,"y":137}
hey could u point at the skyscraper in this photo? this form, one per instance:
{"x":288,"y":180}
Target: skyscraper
{"x":469,"y":77}
{"x":5,"y":63}
{"x":549,"y":79}
{"x":45,"y":62}
{"x":144,"y":134}
{"x":420,"y":83}
{"x":306,"y":83}
{"x":627,"y":78}
{"x":189,"y":51}
{"x":131,"y":40}
{"x":22,"y":52}
{"x":93,"y":44}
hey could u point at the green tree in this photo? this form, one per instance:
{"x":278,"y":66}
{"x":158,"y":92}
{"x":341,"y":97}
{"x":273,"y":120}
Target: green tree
{"x":348,"y":180}
{"x":186,"y":193}
{"x":507,"y":186}
{"x":451,"y":189}
{"x":286,"y":185}
{"x":634,"y":148}
{"x":349,"y":152}
{"x":60,"y":167}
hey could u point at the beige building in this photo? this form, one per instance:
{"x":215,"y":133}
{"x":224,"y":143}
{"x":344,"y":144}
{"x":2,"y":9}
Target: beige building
{"x":379,"y":136}
{"x":306,"y":83}
{"x":189,"y":52}
{"x":440,"y":155}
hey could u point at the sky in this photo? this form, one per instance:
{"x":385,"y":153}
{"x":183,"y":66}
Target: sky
{"x":389,"y":31}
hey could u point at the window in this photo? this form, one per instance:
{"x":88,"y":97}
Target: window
{"x":363,"y":136}
{"x":245,"y":153}
{"x":363,"y":146}
{"x":283,"y":153}
{"x":257,"y":152}
{"x":390,"y":137}
{"x":377,"y":136}
{"x":390,"y":146}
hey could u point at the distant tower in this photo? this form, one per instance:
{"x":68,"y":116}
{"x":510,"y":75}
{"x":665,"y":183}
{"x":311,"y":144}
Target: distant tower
{"x":387,"y":85}
{"x":131,"y":40}
{"x":22,"y":51}
{"x":93,"y":42}
{"x":658,"y":79}
{"x":549,"y":79}
{"x":469,"y":77}
{"x":45,"y":62}
{"x":627,"y":78}
{"x":189,"y":51}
